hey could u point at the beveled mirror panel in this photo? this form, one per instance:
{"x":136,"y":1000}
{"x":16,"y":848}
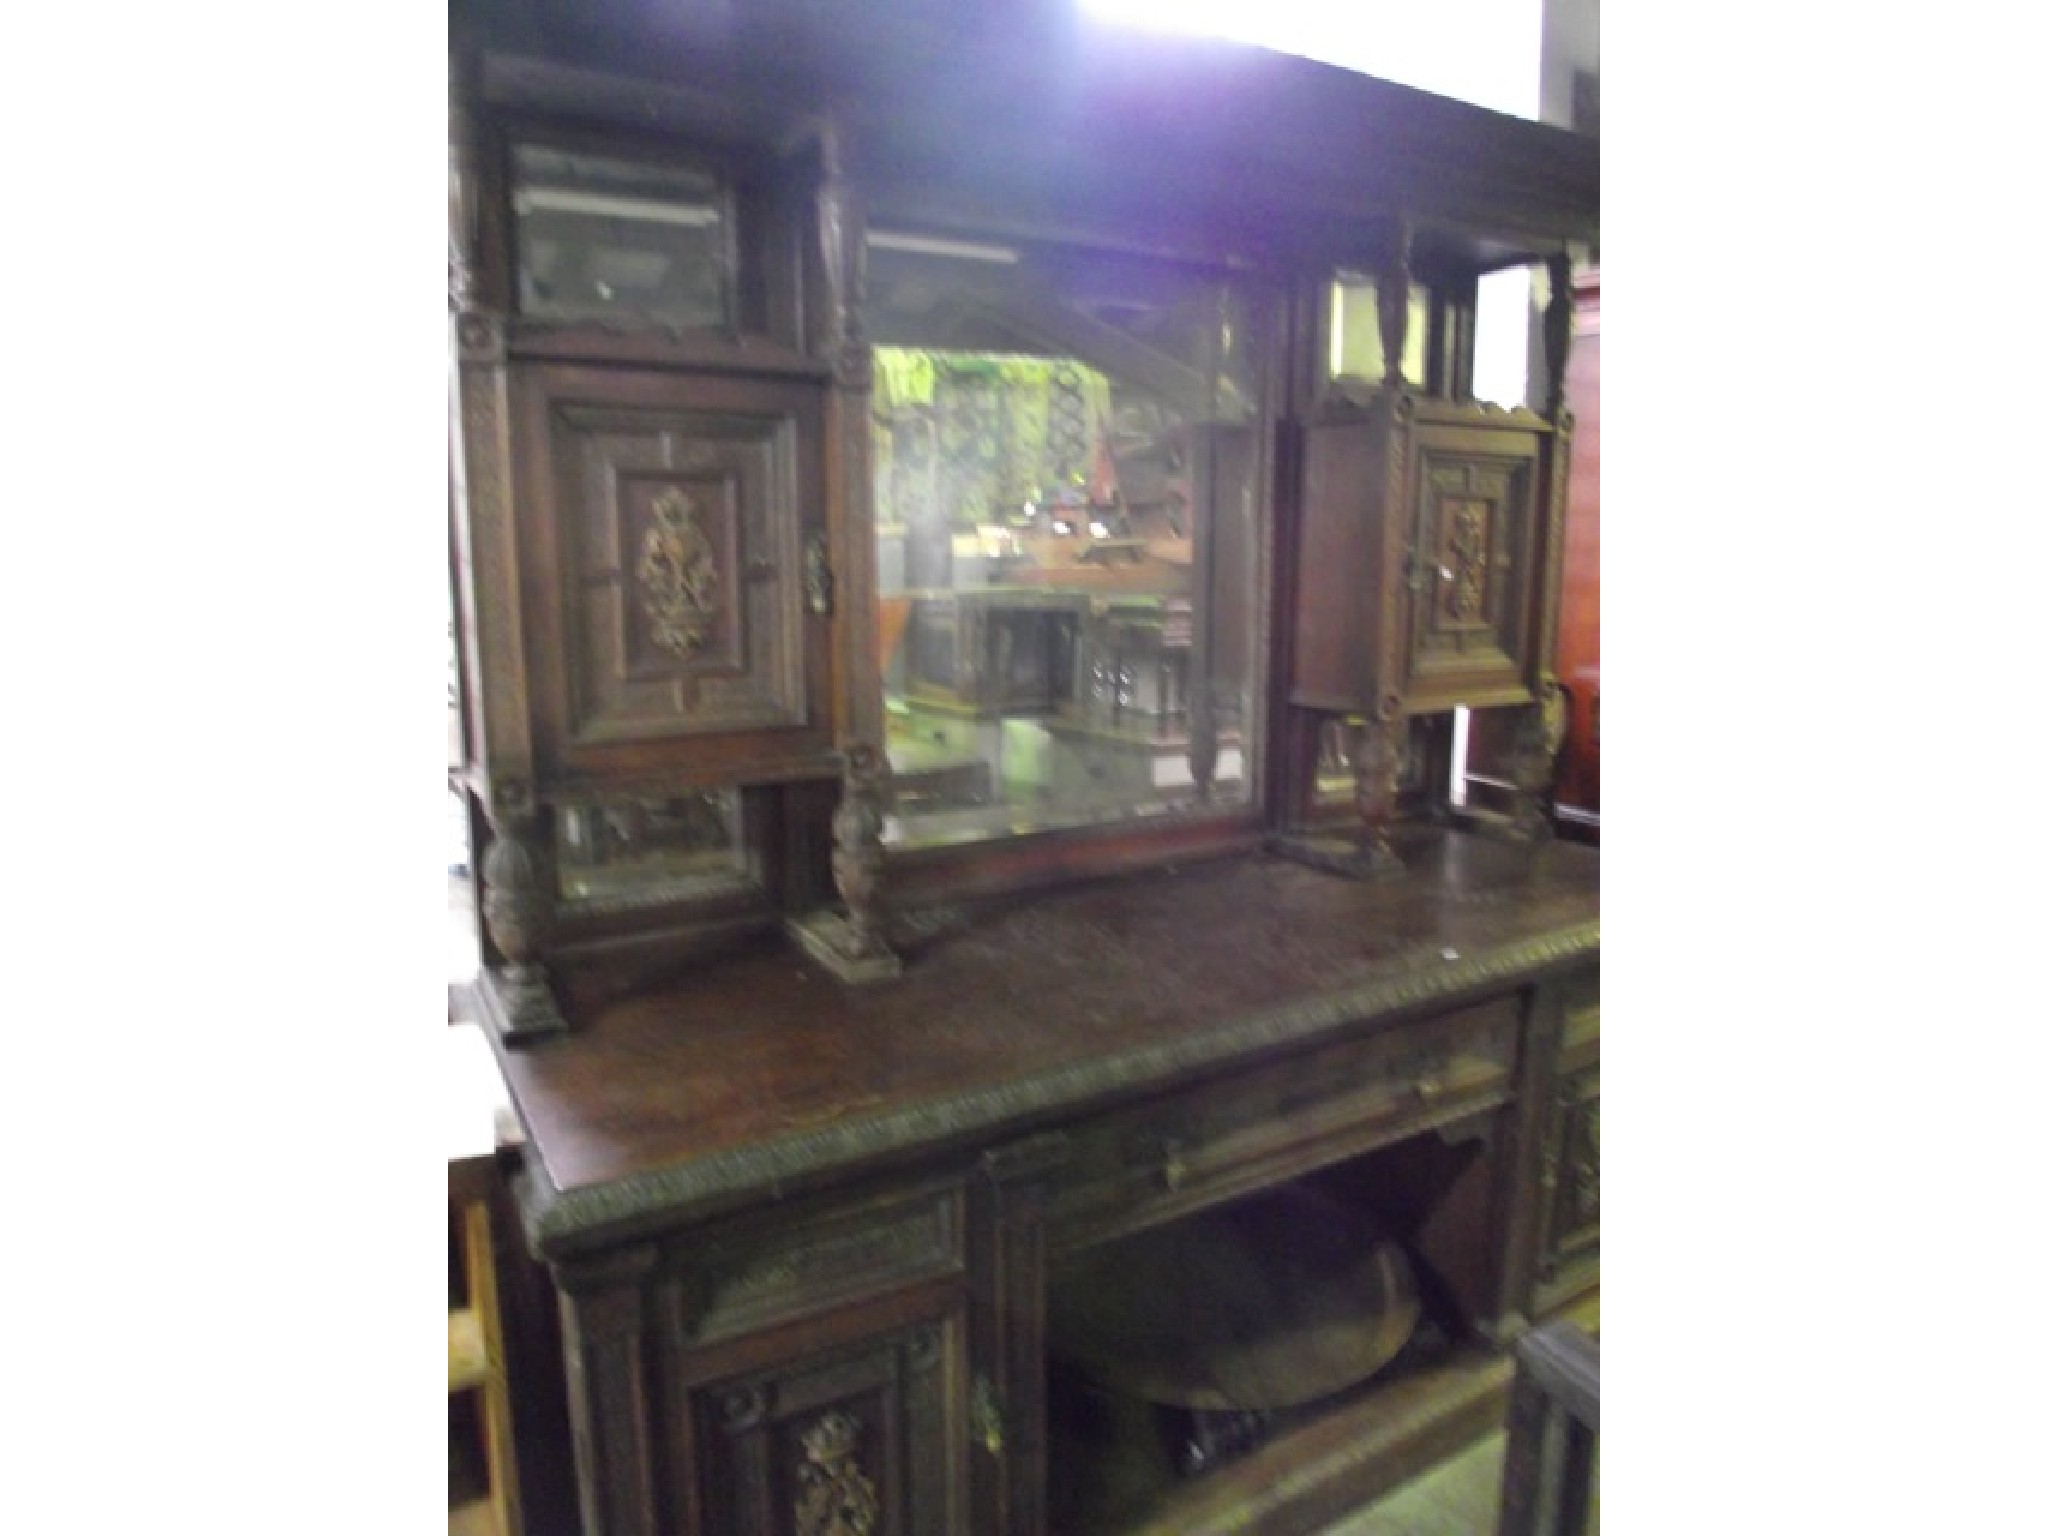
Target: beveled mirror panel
{"x":620,"y":242}
{"x":631,"y":850}
{"x":1068,"y":450}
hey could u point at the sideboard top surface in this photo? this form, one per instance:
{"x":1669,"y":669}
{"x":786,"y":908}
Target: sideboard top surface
{"x":758,"y":1070}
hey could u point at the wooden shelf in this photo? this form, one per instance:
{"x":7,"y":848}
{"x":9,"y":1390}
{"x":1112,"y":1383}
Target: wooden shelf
{"x":1343,"y":1460}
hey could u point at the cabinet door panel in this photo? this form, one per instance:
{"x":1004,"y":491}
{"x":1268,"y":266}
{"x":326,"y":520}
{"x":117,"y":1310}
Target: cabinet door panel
{"x":1472,"y":627}
{"x":1570,"y":1250}
{"x":677,"y":518}
{"x":858,"y":1440}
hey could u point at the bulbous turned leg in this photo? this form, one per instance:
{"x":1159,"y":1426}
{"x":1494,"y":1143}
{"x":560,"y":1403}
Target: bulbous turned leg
{"x":1538,"y":736}
{"x":519,"y":916}
{"x":856,"y":947}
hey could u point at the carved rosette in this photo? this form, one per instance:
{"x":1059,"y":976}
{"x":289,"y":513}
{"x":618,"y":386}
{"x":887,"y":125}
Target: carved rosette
{"x":834,"y":1496}
{"x":857,"y":847}
{"x":480,"y":338}
{"x":678,"y":575}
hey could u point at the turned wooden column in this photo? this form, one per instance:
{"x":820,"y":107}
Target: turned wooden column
{"x":856,"y":946}
{"x":519,"y":900}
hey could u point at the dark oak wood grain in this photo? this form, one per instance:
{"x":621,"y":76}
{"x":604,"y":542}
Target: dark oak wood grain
{"x":756,"y":1068}
{"x":804,"y":1233}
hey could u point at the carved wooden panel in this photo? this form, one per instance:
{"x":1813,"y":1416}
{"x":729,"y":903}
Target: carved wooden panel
{"x":869,"y":1440}
{"x":672,"y":521}
{"x":739,"y":1279}
{"x":1569,"y":1255}
{"x":1476,"y":566}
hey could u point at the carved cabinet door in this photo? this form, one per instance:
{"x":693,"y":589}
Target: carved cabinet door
{"x":1476,"y":565}
{"x":677,"y":571}
{"x":865,"y":1439}
{"x":1568,"y":1253}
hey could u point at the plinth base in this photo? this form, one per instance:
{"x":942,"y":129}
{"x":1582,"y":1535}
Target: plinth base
{"x":828,"y":938}
{"x":519,"y":1008}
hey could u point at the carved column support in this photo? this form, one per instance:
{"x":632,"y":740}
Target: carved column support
{"x":842,"y":242}
{"x":1538,"y":736}
{"x":857,"y":848}
{"x":1392,"y":293}
{"x":1377,"y":750}
{"x":856,"y":947}
{"x":1557,"y":333}
{"x":519,"y":917}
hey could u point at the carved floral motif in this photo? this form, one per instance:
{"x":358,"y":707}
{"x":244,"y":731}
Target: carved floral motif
{"x":834,"y":1496}
{"x":678,"y":574}
{"x":1466,"y":551}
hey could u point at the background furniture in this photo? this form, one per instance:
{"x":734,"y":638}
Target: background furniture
{"x":477,"y":1368}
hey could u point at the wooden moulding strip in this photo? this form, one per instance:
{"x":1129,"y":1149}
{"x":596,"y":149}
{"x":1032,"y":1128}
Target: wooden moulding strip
{"x":558,"y":1222}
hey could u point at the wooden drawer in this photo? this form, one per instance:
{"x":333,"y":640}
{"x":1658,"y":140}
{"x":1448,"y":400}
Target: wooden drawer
{"x":1224,"y":1138}
{"x":732,"y":1280}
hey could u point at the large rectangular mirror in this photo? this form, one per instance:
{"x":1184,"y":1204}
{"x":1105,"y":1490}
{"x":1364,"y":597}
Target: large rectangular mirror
{"x":1069,"y":454}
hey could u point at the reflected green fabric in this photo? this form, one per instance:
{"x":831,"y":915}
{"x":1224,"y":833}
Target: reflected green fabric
{"x":982,"y":433}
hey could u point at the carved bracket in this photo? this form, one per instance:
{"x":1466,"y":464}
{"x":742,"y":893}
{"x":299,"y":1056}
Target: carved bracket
{"x":856,"y":947}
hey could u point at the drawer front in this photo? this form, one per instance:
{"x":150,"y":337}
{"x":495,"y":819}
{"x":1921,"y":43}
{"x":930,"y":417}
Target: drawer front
{"x":1223,"y":1138}
{"x":730,"y":1281}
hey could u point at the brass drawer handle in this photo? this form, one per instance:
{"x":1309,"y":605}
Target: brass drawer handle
{"x":1427,"y":1090}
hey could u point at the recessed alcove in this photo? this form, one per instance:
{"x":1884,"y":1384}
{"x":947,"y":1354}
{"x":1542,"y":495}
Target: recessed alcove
{"x":1262,"y":1342}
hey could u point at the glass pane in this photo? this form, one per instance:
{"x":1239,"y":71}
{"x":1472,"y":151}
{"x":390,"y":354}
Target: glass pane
{"x":640,"y":849}
{"x":1355,"y":350}
{"x":615,"y":241}
{"x":1067,"y":452}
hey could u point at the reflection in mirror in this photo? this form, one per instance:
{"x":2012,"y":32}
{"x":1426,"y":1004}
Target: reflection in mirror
{"x":1066,"y":450}
{"x":615,"y":241}
{"x":637,"y":849}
